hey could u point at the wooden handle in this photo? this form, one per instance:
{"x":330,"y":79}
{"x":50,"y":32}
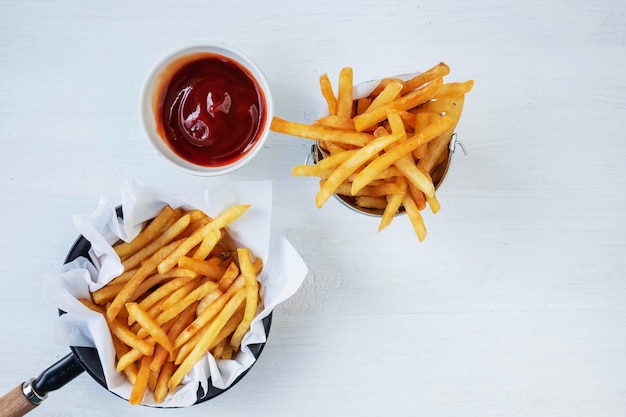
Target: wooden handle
{"x":15,"y":404}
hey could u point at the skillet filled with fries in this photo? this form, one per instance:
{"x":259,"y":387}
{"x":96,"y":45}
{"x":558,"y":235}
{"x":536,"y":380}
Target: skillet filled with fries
{"x":162,"y":304}
{"x":171,"y":308}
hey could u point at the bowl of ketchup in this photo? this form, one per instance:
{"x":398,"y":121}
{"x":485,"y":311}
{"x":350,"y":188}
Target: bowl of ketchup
{"x":206,"y":109}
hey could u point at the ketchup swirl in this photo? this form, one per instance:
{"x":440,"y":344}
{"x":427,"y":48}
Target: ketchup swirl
{"x":212,"y":111}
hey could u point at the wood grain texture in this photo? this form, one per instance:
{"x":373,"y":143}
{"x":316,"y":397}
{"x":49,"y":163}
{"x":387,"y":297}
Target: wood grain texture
{"x":515,"y":305}
{"x":15,"y":404}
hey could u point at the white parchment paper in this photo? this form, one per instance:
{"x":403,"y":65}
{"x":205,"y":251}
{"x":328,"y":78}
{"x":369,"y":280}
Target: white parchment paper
{"x":283,"y":273}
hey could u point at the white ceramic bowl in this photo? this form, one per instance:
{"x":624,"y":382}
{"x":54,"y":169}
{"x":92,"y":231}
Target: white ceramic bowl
{"x":158,"y":79}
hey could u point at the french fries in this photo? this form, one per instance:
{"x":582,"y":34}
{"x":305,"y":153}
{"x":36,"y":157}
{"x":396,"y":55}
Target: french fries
{"x":384,"y":153}
{"x":189,"y":295}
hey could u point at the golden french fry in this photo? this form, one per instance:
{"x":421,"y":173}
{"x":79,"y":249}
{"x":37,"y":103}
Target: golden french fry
{"x":123,"y":278}
{"x":203,"y":344}
{"x":130,"y":370}
{"x":439,"y":70}
{"x":386,"y":96}
{"x":226,"y":331}
{"x":336,"y":122}
{"x":455,"y":89}
{"x":227,"y":351}
{"x":386,"y":173}
{"x":139,"y":388}
{"x":174,"y":229}
{"x":418,"y":197}
{"x":344,"y":188}
{"x":195,"y":225}
{"x":381,"y":86}
{"x":142,"y":273}
{"x":394,"y":201}
{"x":231,"y":273}
{"x":362,"y":104}
{"x":409,"y":120}
{"x":328,"y":94}
{"x":151,"y":231}
{"x":131,"y":356}
{"x":106,"y":293}
{"x":152,"y":380}
{"x":252,"y":296}
{"x":210,"y":268}
{"x":207,"y":300}
{"x":150,"y":326}
{"x":173,"y":311}
{"x":351,"y":165}
{"x":146,"y":285}
{"x":230,"y":326}
{"x":92,"y":305}
{"x":319,"y":132}
{"x":161,"y":389}
{"x":389,"y":157}
{"x":125,"y":335}
{"x":405,"y":163}
{"x":304,"y":171}
{"x":433,"y":203}
{"x":440,"y":105}
{"x":179,"y":272}
{"x":344,"y":93}
{"x":366,"y":201}
{"x":438,"y":146}
{"x":396,"y":125}
{"x":218,"y":349}
{"x":257,"y":264}
{"x":332,"y":147}
{"x":209,"y":313}
{"x":416,"y":176}
{"x":419,"y":152}
{"x":165,"y":290}
{"x":334,"y":160}
{"x":221,"y":221}
{"x":384,"y":189}
{"x":183,"y":320}
{"x":207,"y":245}
{"x":406,"y":102}
{"x":177,"y":295}
{"x":196,"y":214}
{"x":415,"y":217}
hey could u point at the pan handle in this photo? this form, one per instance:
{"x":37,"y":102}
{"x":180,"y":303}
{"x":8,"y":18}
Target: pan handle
{"x":28,"y":395}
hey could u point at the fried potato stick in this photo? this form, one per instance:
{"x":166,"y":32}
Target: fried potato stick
{"x":175,"y":226}
{"x":222,"y":220}
{"x":326,"y":88}
{"x":252,"y":296}
{"x":406,"y":102}
{"x":150,"y":326}
{"x":203,"y":344}
{"x":141,"y":384}
{"x":320,"y":132}
{"x":151,"y":231}
{"x":389,"y":157}
{"x":353,"y":163}
{"x":142,"y":273}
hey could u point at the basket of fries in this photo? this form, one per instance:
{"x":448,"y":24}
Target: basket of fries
{"x":385,"y":146}
{"x":174,"y":295}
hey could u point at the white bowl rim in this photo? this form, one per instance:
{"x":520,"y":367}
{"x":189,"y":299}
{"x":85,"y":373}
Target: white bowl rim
{"x":146,"y":111}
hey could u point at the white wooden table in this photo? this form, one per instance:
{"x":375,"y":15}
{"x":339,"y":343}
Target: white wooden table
{"x":515,"y":305}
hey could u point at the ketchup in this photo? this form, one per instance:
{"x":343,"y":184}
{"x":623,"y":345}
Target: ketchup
{"x":212,"y":111}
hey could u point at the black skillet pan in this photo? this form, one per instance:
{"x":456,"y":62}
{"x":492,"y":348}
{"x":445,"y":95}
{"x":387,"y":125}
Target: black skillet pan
{"x":32,"y":392}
